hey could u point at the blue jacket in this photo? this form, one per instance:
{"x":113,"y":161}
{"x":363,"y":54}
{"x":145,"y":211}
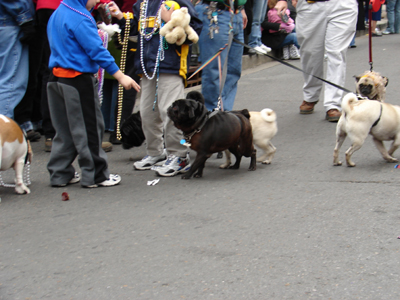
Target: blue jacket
{"x":16,"y":12}
{"x":176,"y":58}
{"x":74,"y":40}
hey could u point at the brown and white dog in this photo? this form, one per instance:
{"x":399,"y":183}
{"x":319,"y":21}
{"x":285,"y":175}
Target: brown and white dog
{"x":14,"y":151}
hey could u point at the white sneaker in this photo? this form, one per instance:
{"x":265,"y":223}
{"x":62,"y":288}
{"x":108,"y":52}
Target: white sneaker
{"x":173,"y":166}
{"x":293,"y":52}
{"x":114,"y":179}
{"x":260,"y":50}
{"x":148,"y":161}
{"x":266,"y":48}
{"x":286,"y":55}
{"x":74,"y":179}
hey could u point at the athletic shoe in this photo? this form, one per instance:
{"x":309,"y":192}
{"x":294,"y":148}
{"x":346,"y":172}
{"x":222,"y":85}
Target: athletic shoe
{"x":74,"y":179}
{"x":173,"y":166}
{"x":387,"y":31}
{"x":293,"y":52}
{"x":286,"y":54}
{"x":266,"y":48}
{"x":260,"y":50}
{"x":114,"y":179}
{"x":148,"y":161}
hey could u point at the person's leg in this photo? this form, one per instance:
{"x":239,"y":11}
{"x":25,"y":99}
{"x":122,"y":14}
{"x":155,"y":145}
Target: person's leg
{"x":259,"y":11}
{"x":47,"y":126}
{"x":209,"y":47}
{"x":64,"y":152}
{"x":390,"y":16}
{"x":397,"y":17}
{"x":340,"y":31}
{"x":151,"y":121}
{"x":310,"y":28}
{"x":170,"y":88}
{"x":234,"y":70}
{"x":14,"y":59}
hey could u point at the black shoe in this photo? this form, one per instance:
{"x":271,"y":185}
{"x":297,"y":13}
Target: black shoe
{"x":32,"y":135}
{"x":113,"y":139}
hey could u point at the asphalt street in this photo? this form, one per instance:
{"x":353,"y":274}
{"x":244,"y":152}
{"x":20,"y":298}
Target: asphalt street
{"x":299,"y":228}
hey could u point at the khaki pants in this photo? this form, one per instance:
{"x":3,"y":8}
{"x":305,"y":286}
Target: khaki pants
{"x":158,"y":129}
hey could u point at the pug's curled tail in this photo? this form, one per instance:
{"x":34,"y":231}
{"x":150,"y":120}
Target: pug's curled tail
{"x":268,"y":115}
{"x":348,"y":102}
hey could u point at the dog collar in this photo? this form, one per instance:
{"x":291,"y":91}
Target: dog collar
{"x":188,"y":137}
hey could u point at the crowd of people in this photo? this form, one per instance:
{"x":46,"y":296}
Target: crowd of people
{"x":59,"y":43}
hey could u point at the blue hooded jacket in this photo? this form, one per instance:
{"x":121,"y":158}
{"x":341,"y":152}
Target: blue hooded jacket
{"x":74,"y":40}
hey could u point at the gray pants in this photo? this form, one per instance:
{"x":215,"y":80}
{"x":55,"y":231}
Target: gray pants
{"x":156,"y":123}
{"x":77,"y":119}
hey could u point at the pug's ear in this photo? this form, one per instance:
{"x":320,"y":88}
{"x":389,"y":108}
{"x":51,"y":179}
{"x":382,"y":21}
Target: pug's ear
{"x":385,"y":80}
{"x":357,"y":78}
{"x":191,"y":113}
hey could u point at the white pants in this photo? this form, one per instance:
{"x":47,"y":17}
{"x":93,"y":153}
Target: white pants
{"x":158,"y":128}
{"x":325,"y":28}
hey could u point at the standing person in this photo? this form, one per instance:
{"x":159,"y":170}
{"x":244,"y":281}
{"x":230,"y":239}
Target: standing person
{"x":393,"y":16}
{"x":325,"y":26}
{"x":76,"y":53}
{"x":214,"y":36}
{"x":16,"y":33}
{"x":164,"y":68}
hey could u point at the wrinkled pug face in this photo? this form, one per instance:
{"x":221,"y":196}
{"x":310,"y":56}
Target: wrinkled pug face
{"x":372,"y":85}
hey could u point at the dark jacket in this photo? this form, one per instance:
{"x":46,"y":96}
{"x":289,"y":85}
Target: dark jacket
{"x":176,"y":58}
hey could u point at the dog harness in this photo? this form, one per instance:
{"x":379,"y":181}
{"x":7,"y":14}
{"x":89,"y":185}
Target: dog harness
{"x":380,"y":115}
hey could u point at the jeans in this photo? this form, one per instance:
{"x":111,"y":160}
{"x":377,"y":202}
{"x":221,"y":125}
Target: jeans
{"x":208,"y":47}
{"x":393,"y":15}
{"x":259,"y":10}
{"x":14,"y":62}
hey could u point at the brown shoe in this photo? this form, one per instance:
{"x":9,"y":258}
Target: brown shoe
{"x":107,"y":146}
{"x":333,"y":115}
{"x":307,"y":107}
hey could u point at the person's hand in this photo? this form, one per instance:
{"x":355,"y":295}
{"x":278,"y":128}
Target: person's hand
{"x":126,"y":81}
{"x":115,"y":11}
{"x":166,"y":13}
{"x":281,"y":6}
{"x":29,"y":31}
{"x":245,"y":20}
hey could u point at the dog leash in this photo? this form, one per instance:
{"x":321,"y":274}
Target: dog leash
{"x":218,"y":53}
{"x":373,"y":6}
{"x":298,"y":69}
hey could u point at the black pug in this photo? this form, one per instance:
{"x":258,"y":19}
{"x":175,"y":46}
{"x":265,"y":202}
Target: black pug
{"x":210,"y":132}
{"x":132,"y":132}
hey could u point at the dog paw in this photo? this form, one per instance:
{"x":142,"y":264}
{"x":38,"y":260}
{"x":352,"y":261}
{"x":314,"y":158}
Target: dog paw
{"x":21,"y":190}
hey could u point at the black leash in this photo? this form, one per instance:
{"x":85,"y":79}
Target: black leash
{"x":298,"y":69}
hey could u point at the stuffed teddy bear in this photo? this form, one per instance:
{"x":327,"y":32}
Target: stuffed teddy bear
{"x":176,"y":30}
